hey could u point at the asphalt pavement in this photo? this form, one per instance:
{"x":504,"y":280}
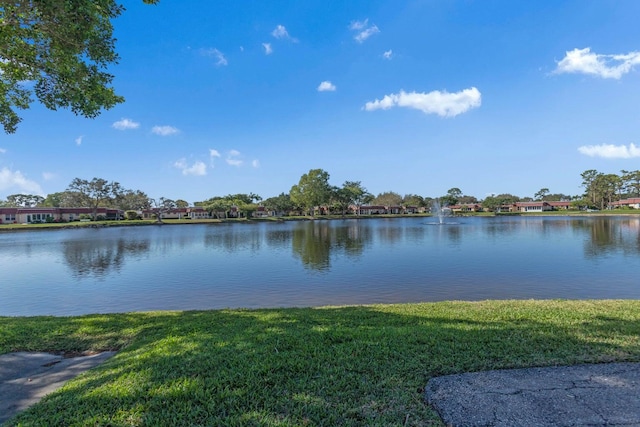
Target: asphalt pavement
{"x":583,"y":395}
{"x":25,"y":378}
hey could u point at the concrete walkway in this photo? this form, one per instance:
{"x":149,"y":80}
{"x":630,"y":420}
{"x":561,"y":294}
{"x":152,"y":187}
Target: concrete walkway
{"x":25,"y":378}
{"x":583,"y":395}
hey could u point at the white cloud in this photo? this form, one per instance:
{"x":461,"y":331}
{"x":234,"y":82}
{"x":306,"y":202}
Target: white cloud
{"x":361,"y":37}
{"x":198,"y":168}
{"x":216,"y":54}
{"x":3,"y":150}
{"x":164,"y":130}
{"x":364,"y":30}
{"x":212,"y":155}
{"x":387,"y":54}
{"x":610,"y":151}
{"x":233,"y":158}
{"x":267,"y":48}
{"x":281,"y":33}
{"x":326,"y":86}
{"x":48,"y":176}
{"x":78,"y":140}
{"x":358,"y":25}
{"x":443,"y":104}
{"x":16,"y":181}
{"x":606,"y":66}
{"x":125,"y":124}
{"x":255,"y":163}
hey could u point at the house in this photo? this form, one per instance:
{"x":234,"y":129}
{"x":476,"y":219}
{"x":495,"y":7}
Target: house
{"x":465,"y":208}
{"x":560,"y":205}
{"x":370,"y":210}
{"x":531,"y":207}
{"x":261,"y":212}
{"x":35,"y":215}
{"x":197,"y":212}
{"x":633,"y":202}
{"x":394,"y":210}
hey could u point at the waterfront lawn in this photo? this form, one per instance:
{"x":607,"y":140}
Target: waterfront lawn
{"x":333,"y":366}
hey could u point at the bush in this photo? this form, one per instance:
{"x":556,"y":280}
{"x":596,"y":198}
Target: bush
{"x":131,"y":215}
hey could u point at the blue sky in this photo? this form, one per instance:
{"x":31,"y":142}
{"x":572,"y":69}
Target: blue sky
{"x":406,"y":96}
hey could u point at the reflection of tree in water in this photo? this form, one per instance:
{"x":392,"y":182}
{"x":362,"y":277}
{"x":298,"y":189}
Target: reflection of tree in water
{"x":610,"y":235}
{"x":505,"y":227}
{"x":278,"y":239}
{"x":235,"y":238}
{"x":315,"y":241}
{"x":352,"y":238}
{"x":389,"y":232}
{"x":98,"y":258}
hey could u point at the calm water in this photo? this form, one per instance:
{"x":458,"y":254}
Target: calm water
{"x":69,"y":272}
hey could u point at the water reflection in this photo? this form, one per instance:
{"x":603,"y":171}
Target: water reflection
{"x":318,"y":262}
{"x":315,"y":242}
{"x":234,"y":238}
{"x":608,"y":236}
{"x":389,"y":232}
{"x":99,"y":258}
{"x":278,"y":239}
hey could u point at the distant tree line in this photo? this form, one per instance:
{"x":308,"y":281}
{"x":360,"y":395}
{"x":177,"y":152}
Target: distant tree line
{"x":313,"y":191}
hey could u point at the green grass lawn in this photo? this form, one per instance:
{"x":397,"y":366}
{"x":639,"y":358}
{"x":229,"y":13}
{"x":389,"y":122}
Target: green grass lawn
{"x":330,"y":366}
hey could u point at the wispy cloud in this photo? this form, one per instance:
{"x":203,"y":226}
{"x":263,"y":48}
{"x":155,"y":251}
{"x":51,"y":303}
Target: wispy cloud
{"x":3,"y":150}
{"x":443,"y":104}
{"x":326,"y":86}
{"x":363,"y":30}
{"x":281,"y":32}
{"x":16,"y":181}
{"x":255,"y":163}
{"x":359,"y":25}
{"x":212,"y":155}
{"x":216,"y":54}
{"x":164,"y":130}
{"x":267,"y":48}
{"x":233,"y":158}
{"x":584,"y":61}
{"x":78,"y":140}
{"x":125,"y":124}
{"x":387,"y":54}
{"x":610,"y":151}
{"x":198,"y":168}
{"x":48,"y":176}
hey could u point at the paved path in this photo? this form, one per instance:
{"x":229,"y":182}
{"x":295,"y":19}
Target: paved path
{"x":25,"y":378}
{"x":584,"y":395}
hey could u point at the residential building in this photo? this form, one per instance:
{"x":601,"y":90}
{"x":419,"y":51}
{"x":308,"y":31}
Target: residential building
{"x":35,"y":215}
{"x":633,"y":202}
{"x":466,"y":208}
{"x":531,"y":207}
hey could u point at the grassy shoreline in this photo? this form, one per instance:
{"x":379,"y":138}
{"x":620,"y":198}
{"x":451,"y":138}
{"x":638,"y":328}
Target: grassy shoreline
{"x":133,"y":223}
{"x":347,"y":366}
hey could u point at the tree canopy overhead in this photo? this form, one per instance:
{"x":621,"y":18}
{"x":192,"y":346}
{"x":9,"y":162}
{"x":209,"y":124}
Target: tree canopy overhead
{"x":58,"y":50}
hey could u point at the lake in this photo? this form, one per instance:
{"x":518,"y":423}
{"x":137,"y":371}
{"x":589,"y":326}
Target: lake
{"x":313,"y":263}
